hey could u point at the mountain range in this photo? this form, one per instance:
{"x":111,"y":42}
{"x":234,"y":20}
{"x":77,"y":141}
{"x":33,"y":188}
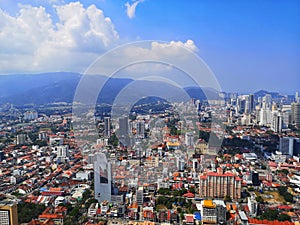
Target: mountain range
{"x":21,"y":89}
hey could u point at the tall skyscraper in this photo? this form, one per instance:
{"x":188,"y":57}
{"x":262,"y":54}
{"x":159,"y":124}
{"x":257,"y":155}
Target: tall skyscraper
{"x":265,"y":116}
{"x":286,"y":118}
{"x":140,"y":129}
{"x":107,"y":127}
{"x":241,"y":104}
{"x":123,"y":126}
{"x":296,"y":114}
{"x":289,"y":145}
{"x":251,"y":102}
{"x":140,"y":196}
{"x":124,"y":131}
{"x":297,"y":99}
{"x":102,"y":177}
{"x":189,"y":139}
{"x":267,"y":99}
{"x":277,"y":122}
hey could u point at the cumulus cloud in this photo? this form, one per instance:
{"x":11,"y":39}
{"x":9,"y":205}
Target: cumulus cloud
{"x":131,"y":8}
{"x":32,"y":41}
{"x":147,"y":57}
{"x":37,"y":43}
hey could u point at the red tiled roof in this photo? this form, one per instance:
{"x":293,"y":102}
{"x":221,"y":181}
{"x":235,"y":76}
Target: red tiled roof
{"x":189,"y":218}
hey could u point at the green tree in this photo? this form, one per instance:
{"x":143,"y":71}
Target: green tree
{"x":259,"y":199}
{"x":227,"y":199}
{"x":270,"y":214}
{"x":113,"y":140}
{"x":288,"y":197}
{"x":284,"y":217}
{"x":250,"y":189}
{"x":282,"y":190}
{"x":28,"y":211}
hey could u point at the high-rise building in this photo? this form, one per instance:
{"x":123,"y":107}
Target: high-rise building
{"x":221,"y":211}
{"x":91,"y":158}
{"x":124,"y":134}
{"x":241,"y":104}
{"x":189,"y":139}
{"x":252,"y":205}
{"x":8,"y":213}
{"x":219,"y":185}
{"x":297,"y":99}
{"x":123,"y":126}
{"x":277,"y":122}
{"x":43,"y":135}
{"x":296,"y":114}
{"x":30,"y":115}
{"x":265,"y":117}
{"x":62,"y":153}
{"x":289,"y":145}
{"x":208,"y":212}
{"x":102,"y":178}
{"x":267,"y":99}
{"x":198,"y":105}
{"x":107,"y":127}
{"x":140,"y":196}
{"x":297,"y":147}
{"x":286,"y":119}
{"x":254,"y":176}
{"x":21,"y":139}
{"x":251,"y":102}
{"x":140,"y":129}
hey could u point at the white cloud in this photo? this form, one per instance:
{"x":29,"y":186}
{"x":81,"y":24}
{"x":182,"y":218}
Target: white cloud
{"x":32,"y":41}
{"x":147,"y":57}
{"x":131,"y":8}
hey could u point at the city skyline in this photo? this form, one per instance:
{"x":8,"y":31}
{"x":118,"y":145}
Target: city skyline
{"x":148,"y":112}
{"x":255,"y":44}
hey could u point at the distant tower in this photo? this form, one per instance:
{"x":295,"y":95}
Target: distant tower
{"x":107,"y":127}
{"x":268,"y":99}
{"x":198,"y":105}
{"x":124,"y":137}
{"x":123,"y":126}
{"x":297,"y":97}
{"x":21,"y":139}
{"x":247,"y":104}
{"x":252,"y":104}
{"x":140,"y":129}
{"x":277,"y":122}
{"x":102,"y":177}
{"x":189,"y":139}
{"x":296,"y":114}
{"x":286,"y":145}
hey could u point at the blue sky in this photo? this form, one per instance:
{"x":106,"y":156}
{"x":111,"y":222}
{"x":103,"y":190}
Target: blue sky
{"x":249,"y":45}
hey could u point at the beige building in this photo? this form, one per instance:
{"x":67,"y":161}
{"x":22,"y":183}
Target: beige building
{"x":8,"y":213}
{"x":219,"y":185}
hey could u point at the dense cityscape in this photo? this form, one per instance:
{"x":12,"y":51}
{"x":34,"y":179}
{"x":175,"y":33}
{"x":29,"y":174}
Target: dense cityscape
{"x":144,"y":112}
{"x":229,"y":161}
